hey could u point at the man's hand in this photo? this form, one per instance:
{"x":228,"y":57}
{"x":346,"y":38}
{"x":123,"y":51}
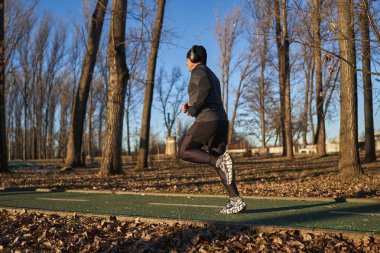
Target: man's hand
{"x":184,"y":107}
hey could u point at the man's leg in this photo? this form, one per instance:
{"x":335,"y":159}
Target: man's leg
{"x":192,"y":151}
{"x":195,"y":138}
{"x":217,"y":147}
{"x":217,"y":151}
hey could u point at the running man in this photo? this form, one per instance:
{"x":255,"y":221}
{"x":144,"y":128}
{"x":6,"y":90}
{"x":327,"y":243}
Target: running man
{"x":210,"y":127}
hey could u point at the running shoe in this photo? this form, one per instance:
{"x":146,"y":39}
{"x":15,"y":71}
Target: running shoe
{"x":234,"y":206}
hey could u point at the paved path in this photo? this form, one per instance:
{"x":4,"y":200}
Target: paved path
{"x":337,"y":215}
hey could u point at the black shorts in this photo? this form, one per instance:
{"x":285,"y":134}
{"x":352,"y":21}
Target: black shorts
{"x":209,"y":133}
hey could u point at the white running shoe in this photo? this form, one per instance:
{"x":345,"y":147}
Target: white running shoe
{"x":234,"y":207}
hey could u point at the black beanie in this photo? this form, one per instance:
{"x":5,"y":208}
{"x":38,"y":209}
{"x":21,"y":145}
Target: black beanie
{"x":199,"y":51}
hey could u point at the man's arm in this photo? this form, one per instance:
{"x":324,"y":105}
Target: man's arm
{"x":203,"y":90}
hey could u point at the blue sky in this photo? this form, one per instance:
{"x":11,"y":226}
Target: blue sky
{"x":194,"y":22}
{"x":193,"y":25}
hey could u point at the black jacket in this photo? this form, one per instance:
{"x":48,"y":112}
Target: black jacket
{"x":205,"y":96}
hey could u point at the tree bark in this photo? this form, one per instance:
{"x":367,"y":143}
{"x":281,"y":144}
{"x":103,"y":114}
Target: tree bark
{"x":90,"y":153}
{"x":119,"y":75}
{"x":51,"y":137}
{"x":74,"y":146}
{"x":288,"y":109}
{"x":311,"y":98}
{"x":281,"y":72}
{"x":128,"y":130}
{"x":142,"y":158}
{"x":262,"y":98}
{"x":349,"y":163}
{"x":3,"y":139}
{"x":369,"y":147}
{"x":307,"y":68}
{"x":284,"y":76}
{"x":100,"y":127}
{"x":320,"y":136}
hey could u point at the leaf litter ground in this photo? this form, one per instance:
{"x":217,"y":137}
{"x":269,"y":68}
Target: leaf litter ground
{"x":305,"y":176}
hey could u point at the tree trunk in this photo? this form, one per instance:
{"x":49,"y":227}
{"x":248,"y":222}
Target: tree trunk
{"x":100,"y":127}
{"x":51,"y":150}
{"x":39,"y":124}
{"x":262,"y":110}
{"x":90,"y":153}
{"x":243,"y":76}
{"x":24,"y":134}
{"x":284,"y":76}
{"x":9,"y":138}
{"x":288,"y":109}
{"x":119,"y":75}
{"x":263,"y":60}
{"x":142,"y":158}
{"x":306,"y":100}
{"x":127,"y":118}
{"x":311,"y":103}
{"x":281,"y":73}
{"x":370,"y":150}
{"x":320,"y":137}
{"x":3,"y":139}
{"x":233,"y":118}
{"x":74,"y":146}
{"x":349,"y":163}
{"x":17,"y":132}
{"x":34,"y":141}
{"x":63,"y":127}
{"x":128,"y":132}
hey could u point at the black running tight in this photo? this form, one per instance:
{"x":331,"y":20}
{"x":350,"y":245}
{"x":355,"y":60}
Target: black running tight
{"x":192,"y":151}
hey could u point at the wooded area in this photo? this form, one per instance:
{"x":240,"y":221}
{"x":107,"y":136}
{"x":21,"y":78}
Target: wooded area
{"x":286,"y":68}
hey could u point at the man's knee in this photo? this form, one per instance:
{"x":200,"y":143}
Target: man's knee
{"x":182,"y":152}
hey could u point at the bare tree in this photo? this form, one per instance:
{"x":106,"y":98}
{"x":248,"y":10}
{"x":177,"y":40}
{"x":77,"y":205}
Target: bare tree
{"x":260,"y":10}
{"x":101,"y":91}
{"x":320,"y":137}
{"x":65,"y":102}
{"x":370,"y":151}
{"x":252,"y":105}
{"x":246,"y":64}
{"x":142,"y":159}
{"x":52,"y":80}
{"x":349,"y":163}
{"x":311,"y":99}
{"x":3,"y":140}
{"x":135,"y":84}
{"x":282,"y":40}
{"x":39,"y":84}
{"x":170,"y":96}
{"x":119,"y":75}
{"x":307,"y":69}
{"x":227,"y":30}
{"x":17,"y":14}
{"x":24,"y":53}
{"x":74,"y":146}
{"x":90,"y":153}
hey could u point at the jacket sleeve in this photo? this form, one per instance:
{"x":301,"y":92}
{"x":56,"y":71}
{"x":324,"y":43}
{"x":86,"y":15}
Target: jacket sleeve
{"x":203,"y":90}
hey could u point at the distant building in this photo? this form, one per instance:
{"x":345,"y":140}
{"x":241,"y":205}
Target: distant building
{"x":377,"y":140}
